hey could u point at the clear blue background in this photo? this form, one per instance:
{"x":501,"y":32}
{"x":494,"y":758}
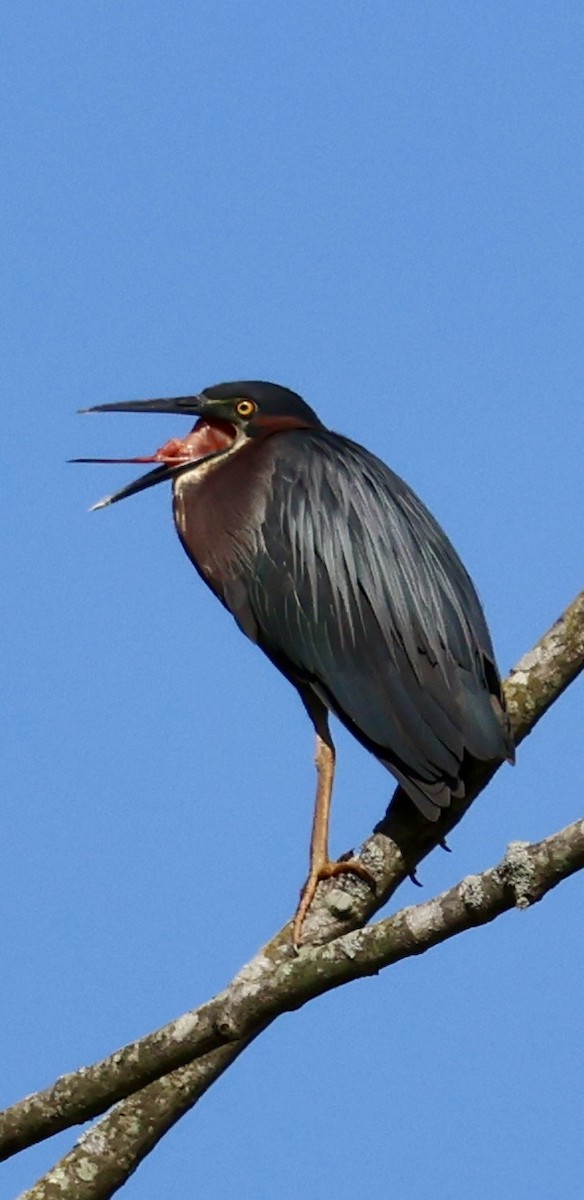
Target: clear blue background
{"x":379,"y":205}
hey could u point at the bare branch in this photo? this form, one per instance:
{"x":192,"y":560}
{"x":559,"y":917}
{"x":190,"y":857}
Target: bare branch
{"x":274,"y":981}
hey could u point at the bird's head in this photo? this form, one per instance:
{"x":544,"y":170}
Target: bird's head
{"x":229,"y":416}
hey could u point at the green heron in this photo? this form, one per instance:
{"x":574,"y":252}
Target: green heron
{"x":333,"y":566}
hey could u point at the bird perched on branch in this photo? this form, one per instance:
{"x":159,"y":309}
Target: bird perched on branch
{"x":334,"y":567}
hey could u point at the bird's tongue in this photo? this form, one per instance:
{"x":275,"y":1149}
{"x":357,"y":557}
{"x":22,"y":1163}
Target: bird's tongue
{"x":207,"y":437}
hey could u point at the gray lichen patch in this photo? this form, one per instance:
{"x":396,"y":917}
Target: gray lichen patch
{"x":424,"y":917}
{"x":251,"y":978}
{"x":93,"y":1141}
{"x":184,"y":1026}
{"x":472,"y":892}
{"x":352,"y":943}
{"x":519,"y":873}
{"x":340,"y":904}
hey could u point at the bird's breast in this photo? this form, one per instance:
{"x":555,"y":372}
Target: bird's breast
{"x":218,"y":510}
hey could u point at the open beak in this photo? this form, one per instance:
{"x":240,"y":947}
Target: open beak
{"x":186,"y":406}
{"x":158,"y":475}
{"x":208,"y":439}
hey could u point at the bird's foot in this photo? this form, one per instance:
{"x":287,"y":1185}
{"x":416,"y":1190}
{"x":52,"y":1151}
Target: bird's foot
{"x":326,"y":870}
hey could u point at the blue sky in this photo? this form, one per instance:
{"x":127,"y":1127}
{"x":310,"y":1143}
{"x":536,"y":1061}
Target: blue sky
{"x":379,"y":205}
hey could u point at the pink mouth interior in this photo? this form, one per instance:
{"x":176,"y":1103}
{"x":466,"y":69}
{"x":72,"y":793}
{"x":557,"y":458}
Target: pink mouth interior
{"x":206,"y":438}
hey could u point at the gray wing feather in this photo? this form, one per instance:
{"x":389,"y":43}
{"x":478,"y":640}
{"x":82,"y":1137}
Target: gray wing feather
{"x":358,"y":593}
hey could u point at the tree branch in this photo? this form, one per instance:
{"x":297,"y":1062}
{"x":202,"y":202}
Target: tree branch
{"x":526,"y":873}
{"x":275,"y":981}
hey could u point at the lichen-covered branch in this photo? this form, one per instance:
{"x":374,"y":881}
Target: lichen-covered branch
{"x":275,"y":980}
{"x":526,"y":873}
{"x":545,"y":672}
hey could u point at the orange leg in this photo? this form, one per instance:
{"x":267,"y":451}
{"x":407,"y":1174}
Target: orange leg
{"x":321,"y":866}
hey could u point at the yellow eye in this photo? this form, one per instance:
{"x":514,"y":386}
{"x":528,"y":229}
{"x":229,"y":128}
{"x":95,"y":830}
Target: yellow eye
{"x":245,"y":408}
